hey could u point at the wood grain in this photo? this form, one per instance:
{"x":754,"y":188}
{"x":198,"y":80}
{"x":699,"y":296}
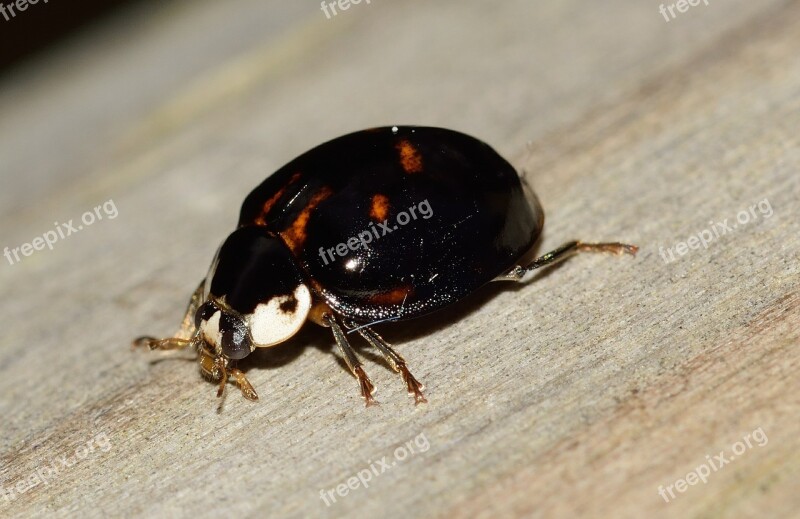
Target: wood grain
{"x":580,"y":394}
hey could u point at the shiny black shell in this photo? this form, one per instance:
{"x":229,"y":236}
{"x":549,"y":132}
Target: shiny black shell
{"x":481,"y":221}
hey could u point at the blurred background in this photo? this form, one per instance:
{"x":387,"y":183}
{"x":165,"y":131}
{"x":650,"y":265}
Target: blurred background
{"x":35,"y":29}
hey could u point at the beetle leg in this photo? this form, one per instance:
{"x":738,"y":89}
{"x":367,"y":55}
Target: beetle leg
{"x":367,"y":389}
{"x":395,"y":360}
{"x":170,"y":343}
{"x":518,"y":273}
{"x":187,"y":325}
{"x":242,"y":383}
{"x":183,"y":338}
{"x":216,"y":369}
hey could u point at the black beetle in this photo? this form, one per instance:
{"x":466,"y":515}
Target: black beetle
{"x":385,"y":224}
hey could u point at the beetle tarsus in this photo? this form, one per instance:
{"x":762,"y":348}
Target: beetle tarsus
{"x":367,"y":388}
{"x":241,"y":381}
{"x":365,"y":384}
{"x":395,"y":360}
{"x":414,"y":386}
{"x":614,"y":248}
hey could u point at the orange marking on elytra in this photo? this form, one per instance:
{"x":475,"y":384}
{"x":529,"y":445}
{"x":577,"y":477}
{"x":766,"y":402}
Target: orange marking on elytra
{"x":261,"y":219}
{"x":391,"y":297}
{"x":379,"y":210}
{"x":410,"y":157}
{"x":295,"y":236}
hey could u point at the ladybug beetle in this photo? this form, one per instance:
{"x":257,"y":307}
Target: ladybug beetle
{"x":380,"y":225}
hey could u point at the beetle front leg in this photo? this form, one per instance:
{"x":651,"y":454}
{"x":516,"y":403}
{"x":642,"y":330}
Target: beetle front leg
{"x":170,"y":343}
{"x":187,"y":325}
{"x":216,"y":369}
{"x":367,"y":389}
{"x":183,"y":337}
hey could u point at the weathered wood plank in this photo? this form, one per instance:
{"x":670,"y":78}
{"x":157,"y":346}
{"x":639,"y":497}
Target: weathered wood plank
{"x":582,"y":393}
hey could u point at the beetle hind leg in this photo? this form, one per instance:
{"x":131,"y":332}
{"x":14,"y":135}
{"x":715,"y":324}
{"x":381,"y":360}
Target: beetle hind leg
{"x":367,"y":388}
{"x":396,"y":361}
{"x":519,"y":273}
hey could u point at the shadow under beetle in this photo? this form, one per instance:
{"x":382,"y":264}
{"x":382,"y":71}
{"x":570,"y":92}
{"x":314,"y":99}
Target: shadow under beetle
{"x":385,"y":224}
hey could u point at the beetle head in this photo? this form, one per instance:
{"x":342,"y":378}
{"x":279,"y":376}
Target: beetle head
{"x":226,"y":333}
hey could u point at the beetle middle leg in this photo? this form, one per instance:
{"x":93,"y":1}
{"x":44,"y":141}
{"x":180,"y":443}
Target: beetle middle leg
{"x":519,"y":272}
{"x":395,"y":360}
{"x":367,"y":389}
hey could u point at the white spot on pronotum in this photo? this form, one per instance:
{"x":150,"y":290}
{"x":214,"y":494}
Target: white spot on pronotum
{"x":395,"y":129}
{"x":210,"y":329}
{"x":279,"y":318}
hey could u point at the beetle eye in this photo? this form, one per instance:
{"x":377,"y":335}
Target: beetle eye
{"x":204,"y":313}
{"x":236,"y":343}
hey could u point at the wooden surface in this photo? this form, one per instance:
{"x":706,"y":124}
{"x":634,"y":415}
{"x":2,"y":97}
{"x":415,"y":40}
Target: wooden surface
{"x":578,"y":395}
